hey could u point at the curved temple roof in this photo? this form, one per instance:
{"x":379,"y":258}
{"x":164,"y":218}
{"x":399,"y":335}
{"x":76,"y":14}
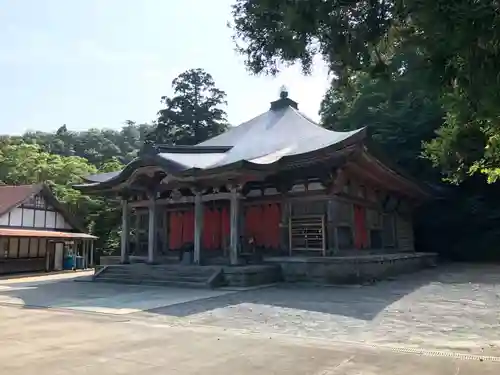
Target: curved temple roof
{"x":279,"y":135}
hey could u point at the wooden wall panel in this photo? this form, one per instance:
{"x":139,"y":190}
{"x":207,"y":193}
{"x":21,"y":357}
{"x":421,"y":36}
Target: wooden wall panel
{"x":404,"y":233}
{"x":24,"y":248}
{"x":13,"y":247}
{"x":4,"y":247}
{"x":42,"y":249}
{"x":33,"y":252}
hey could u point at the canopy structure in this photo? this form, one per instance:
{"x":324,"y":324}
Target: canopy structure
{"x":278,"y":140}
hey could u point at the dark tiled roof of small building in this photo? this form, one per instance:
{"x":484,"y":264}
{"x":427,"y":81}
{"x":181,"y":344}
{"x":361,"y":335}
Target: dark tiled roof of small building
{"x":12,"y":196}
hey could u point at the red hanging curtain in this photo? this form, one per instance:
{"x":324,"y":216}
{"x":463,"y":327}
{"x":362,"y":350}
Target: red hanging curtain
{"x":225,"y":226}
{"x":205,"y":235}
{"x":258,"y":225}
{"x":188,"y":227}
{"x":176,"y":231}
{"x":173,"y":231}
{"x":216,"y":229}
{"x":250,"y":222}
{"x":264,"y":224}
{"x":360,"y":231}
{"x":276,"y":219}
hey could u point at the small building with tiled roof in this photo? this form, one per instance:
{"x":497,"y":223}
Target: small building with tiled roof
{"x":36,"y":231}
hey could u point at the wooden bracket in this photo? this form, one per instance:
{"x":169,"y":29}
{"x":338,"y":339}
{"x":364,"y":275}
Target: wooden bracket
{"x":336,"y":181}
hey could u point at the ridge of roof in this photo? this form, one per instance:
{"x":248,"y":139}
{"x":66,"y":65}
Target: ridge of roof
{"x":196,"y":149}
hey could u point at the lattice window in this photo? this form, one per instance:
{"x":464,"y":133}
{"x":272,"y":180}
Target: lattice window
{"x":39,"y":202}
{"x":307,"y":233}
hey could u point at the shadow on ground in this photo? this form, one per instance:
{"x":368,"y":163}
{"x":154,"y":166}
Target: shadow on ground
{"x":363,"y":302}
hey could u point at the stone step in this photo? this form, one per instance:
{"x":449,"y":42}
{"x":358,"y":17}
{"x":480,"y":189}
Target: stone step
{"x":174,"y":283}
{"x":153,"y":270}
{"x":200,"y":271}
{"x":157,"y":275}
{"x":189,"y":278}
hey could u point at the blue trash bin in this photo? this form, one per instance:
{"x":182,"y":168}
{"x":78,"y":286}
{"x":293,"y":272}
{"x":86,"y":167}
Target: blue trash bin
{"x":68,"y":263}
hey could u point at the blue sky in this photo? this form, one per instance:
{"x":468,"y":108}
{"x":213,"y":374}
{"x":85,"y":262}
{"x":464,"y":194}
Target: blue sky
{"x":97,"y":63}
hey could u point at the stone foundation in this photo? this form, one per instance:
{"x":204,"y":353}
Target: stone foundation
{"x":251,"y":275}
{"x":8,"y":266}
{"x":351,"y":269}
{"x":345,"y":269}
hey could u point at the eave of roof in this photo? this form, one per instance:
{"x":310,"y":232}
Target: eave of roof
{"x":182,"y":172}
{"x":10,"y":232}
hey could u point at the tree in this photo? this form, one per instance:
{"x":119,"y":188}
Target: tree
{"x":193,"y":114}
{"x":400,"y":113}
{"x":59,"y":172}
{"x":95,"y":145}
{"x":458,"y":39}
{"x":101,"y":216}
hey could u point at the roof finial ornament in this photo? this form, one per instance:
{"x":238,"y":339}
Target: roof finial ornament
{"x":283,"y":92}
{"x":284,"y":101}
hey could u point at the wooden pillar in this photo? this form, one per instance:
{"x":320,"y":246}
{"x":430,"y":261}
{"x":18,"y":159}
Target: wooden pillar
{"x":75,"y":253}
{"x":92,"y":253}
{"x":84,"y":254}
{"x":330,"y":227}
{"x":137,"y":232}
{"x":125,"y":232}
{"x":285,"y":245}
{"x":198,"y":225}
{"x":152,"y":229}
{"x":234,"y":237}
{"x":166,"y":230}
{"x":284,"y":225}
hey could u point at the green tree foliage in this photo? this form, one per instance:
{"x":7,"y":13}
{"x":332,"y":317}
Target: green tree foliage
{"x":458,"y":39}
{"x":400,"y":113}
{"x":96,"y":145}
{"x":194,"y":113}
{"x":30,"y":163}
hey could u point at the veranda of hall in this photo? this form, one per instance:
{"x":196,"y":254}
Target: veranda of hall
{"x":190,"y":220}
{"x":209,"y":222}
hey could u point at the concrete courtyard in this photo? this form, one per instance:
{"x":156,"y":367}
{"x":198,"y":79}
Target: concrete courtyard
{"x":440,"y":321}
